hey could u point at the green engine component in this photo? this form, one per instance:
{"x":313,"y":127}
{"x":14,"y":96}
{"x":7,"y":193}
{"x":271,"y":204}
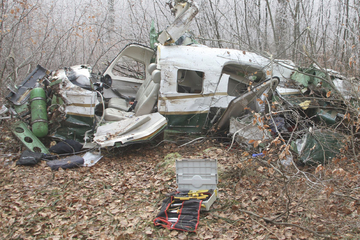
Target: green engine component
{"x":39,"y":123}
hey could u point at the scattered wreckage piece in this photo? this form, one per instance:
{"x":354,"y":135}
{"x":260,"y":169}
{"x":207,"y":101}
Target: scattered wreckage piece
{"x":27,"y":137}
{"x":129,"y":129}
{"x":56,"y":159}
{"x":21,"y":95}
{"x":319,"y":94}
{"x":319,"y":146}
{"x":319,"y":99}
{"x":184,"y":14}
{"x":19,"y":107}
{"x":248,"y":128}
{"x":29,"y":158}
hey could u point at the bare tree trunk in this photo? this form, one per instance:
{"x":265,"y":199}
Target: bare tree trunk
{"x":281,"y":26}
{"x":345,"y":36}
{"x":272,"y":25}
{"x":216,"y":24}
{"x":111,"y":20}
{"x":247,"y":24}
{"x":266,"y":44}
{"x":295,"y":13}
{"x":237,"y":23}
{"x":259,"y":37}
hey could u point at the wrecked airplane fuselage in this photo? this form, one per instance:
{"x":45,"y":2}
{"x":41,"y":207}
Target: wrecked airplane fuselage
{"x":199,"y":88}
{"x":184,"y":89}
{"x":192,"y":89}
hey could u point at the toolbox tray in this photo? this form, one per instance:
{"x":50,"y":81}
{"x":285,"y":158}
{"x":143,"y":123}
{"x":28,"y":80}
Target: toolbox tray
{"x":198,"y":174}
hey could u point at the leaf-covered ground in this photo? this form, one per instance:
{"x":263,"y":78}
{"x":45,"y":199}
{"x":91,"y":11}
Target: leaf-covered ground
{"x":120,"y":196}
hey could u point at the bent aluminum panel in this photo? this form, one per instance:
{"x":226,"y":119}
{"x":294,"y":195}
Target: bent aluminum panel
{"x":23,"y":93}
{"x":172,"y":33}
{"x":237,"y":106}
{"x":130,"y":130}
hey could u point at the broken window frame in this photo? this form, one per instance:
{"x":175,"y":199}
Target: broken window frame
{"x":193,"y":84}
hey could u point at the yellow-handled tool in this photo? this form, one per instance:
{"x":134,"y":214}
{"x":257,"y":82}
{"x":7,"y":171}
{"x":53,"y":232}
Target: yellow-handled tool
{"x":194,"y":194}
{"x":184,"y":198}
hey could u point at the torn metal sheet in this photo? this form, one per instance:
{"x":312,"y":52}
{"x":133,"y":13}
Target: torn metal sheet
{"x":245,"y":129}
{"x":140,"y":128}
{"x":320,"y":146}
{"x":22,"y":93}
{"x":237,"y":106}
{"x":74,"y":106}
{"x":91,"y":158}
{"x":185,"y":13}
{"x":318,"y":94}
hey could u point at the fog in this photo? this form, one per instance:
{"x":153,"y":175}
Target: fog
{"x":63,"y":33}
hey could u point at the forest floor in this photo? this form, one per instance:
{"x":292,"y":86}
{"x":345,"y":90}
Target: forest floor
{"x":120,"y":196}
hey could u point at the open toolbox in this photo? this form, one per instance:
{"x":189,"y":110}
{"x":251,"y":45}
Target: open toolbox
{"x":197,"y":179}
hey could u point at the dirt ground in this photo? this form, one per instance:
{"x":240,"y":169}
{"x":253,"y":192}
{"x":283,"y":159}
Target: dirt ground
{"x":121,"y":195}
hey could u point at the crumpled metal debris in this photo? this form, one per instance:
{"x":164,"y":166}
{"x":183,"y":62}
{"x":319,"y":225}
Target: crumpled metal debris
{"x":320,"y":146}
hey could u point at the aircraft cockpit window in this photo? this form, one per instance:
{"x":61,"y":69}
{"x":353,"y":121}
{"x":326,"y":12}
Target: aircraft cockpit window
{"x":128,"y":67}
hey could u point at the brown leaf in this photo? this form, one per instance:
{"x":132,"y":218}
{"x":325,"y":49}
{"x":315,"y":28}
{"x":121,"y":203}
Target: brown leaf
{"x":174,"y":233}
{"x":346,"y":211}
{"x":148,"y":231}
{"x":319,"y":168}
{"x":328,"y":191}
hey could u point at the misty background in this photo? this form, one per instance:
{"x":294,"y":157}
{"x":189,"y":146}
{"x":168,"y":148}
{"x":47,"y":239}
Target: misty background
{"x":63,"y":33}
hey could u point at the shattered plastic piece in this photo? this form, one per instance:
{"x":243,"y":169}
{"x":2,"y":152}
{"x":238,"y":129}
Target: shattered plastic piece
{"x":70,"y":162}
{"x":90,"y":159}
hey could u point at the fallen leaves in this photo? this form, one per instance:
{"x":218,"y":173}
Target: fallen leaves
{"x":119,"y":198}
